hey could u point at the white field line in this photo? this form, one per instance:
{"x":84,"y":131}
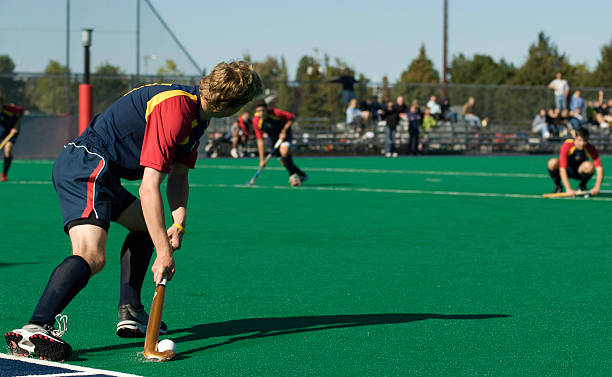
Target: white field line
{"x":344,"y":189}
{"x":384,"y":171}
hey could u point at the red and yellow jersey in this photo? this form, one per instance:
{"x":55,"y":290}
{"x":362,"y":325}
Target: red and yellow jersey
{"x":572,"y":156}
{"x":151,"y":126}
{"x":10,"y":115}
{"x":272,"y":122}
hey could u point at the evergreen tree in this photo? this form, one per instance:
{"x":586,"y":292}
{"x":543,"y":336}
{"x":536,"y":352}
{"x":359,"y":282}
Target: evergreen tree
{"x":420,"y":70}
{"x":542,"y":64}
{"x":311,"y":99}
{"x":108,"y":83}
{"x":602,"y":75}
{"x":481,"y":69}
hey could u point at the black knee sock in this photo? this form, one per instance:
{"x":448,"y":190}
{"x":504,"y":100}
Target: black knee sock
{"x":287,"y":162}
{"x":584,"y":178}
{"x":135,"y":257}
{"x":65,"y":282}
{"x":7,"y":163}
{"x":554,"y":174}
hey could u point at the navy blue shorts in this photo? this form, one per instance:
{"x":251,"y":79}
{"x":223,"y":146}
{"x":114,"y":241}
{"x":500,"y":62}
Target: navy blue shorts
{"x":4,"y":132}
{"x":273,"y":138}
{"x":89,"y":191}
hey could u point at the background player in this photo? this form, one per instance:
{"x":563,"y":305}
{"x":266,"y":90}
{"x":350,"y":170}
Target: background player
{"x":10,"y":119}
{"x":151,"y":132}
{"x":277,"y":124}
{"x":574,"y":163}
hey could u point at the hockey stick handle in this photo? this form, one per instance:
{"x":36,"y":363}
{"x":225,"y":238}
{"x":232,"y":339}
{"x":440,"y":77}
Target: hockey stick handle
{"x":268,"y":157}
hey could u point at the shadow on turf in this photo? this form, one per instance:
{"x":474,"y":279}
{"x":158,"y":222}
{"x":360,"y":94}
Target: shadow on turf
{"x":2,"y":264}
{"x":253,"y":328}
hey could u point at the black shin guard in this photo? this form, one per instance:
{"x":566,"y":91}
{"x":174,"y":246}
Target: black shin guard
{"x":7,"y":163}
{"x":287,"y":162}
{"x":556,"y":177}
{"x":584,"y":178}
{"x":65,"y":282}
{"x":135,"y":257}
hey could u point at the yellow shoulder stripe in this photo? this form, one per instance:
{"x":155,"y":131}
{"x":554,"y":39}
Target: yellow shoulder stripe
{"x":161,"y":97}
{"x":142,"y":86}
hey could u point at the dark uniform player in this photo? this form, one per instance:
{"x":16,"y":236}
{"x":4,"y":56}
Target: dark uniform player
{"x":277,"y":124}
{"x":151,"y":132}
{"x":10,"y":118}
{"x":574,"y":163}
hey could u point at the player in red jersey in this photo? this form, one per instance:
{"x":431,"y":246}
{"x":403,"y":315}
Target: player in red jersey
{"x":573,"y":162}
{"x":10,"y":119}
{"x":277,"y":124}
{"x":150,"y":133}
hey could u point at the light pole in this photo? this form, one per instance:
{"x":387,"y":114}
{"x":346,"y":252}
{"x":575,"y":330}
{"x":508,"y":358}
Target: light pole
{"x":85,"y":89}
{"x":146,"y":62}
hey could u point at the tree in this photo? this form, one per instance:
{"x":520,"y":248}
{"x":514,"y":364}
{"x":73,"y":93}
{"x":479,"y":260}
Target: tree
{"x":420,"y":70}
{"x":542,"y":64}
{"x":285,"y":92}
{"x":602,"y":75}
{"x":108,"y":83}
{"x":311,"y":99}
{"x":12,"y":89}
{"x":48,"y":93}
{"x":169,"y":69}
{"x":481,"y":69}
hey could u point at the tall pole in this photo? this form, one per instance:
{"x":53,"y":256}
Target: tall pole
{"x":445,"y":50}
{"x":85,"y":89}
{"x":68,"y":56}
{"x":137,"y":41}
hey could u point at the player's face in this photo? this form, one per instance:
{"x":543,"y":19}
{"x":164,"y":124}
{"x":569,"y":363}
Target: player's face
{"x":259,"y":110}
{"x":226,"y":113}
{"x":579,"y":143}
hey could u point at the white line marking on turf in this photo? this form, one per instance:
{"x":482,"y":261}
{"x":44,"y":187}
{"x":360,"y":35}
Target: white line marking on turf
{"x":350,"y":189}
{"x":79,"y":371}
{"x":385,"y":171}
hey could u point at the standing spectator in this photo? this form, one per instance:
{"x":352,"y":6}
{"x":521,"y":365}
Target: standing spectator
{"x":348,"y":85}
{"x":468,"y":113}
{"x":10,"y":118}
{"x":391,"y":116}
{"x":561,"y":88}
{"x":414,"y":125}
{"x":240,"y":133}
{"x":577,"y":102}
{"x":539,"y":124}
{"x":434,"y":108}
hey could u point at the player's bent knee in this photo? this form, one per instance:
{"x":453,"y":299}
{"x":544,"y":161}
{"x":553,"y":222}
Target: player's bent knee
{"x":95,"y":259}
{"x":553,"y":164}
{"x":586,"y":168}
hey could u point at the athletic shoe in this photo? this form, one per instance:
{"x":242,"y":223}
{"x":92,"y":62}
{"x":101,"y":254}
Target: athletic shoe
{"x":234,"y":153}
{"x":133,"y":323}
{"x":42,"y":342}
{"x":294,"y":180}
{"x":303,"y":178}
{"x":387,"y":154}
{"x":394,"y":154}
{"x":3,"y":177}
{"x":558,"y":189}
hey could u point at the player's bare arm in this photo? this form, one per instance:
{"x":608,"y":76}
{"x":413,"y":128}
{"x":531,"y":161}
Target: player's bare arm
{"x":283,"y":133}
{"x":153,"y":211}
{"x":598,"y":181}
{"x":178,"y":193}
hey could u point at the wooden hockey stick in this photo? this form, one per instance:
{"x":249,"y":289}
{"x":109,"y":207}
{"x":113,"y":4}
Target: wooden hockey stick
{"x":6,"y":139}
{"x":155,"y":317}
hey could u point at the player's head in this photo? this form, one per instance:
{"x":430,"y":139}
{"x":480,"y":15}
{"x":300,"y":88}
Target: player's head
{"x":582,"y":137}
{"x":228,"y":87}
{"x":260,"y":107}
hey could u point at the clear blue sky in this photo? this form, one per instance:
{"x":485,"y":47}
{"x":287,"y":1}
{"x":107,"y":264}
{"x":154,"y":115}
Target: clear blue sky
{"x":374,"y":37}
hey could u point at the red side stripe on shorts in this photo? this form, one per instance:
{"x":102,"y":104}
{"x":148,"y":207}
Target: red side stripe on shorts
{"x":91,"y":183}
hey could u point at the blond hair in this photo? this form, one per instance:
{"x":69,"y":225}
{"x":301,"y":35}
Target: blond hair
{"x":230,"y":85}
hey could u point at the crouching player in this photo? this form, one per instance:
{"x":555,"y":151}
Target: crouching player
{"x":150,"y":133}
{"x":277,"y":124}
{"x":574,"y":163}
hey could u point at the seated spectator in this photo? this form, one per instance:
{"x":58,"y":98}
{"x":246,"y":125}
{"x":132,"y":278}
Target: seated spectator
{"x":575,"y":121}
{"x":552,"y":119}
{"x":577,"y":102}
{"x":539,"y":124}
{"x":429,"y":122}
{"x":590,"y":113}
{"x":468,"y":113}
{"x":563,"y":120}
{"x":434,"y":108}
{"x":354,"y":116}
{"x":448,"y":115}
